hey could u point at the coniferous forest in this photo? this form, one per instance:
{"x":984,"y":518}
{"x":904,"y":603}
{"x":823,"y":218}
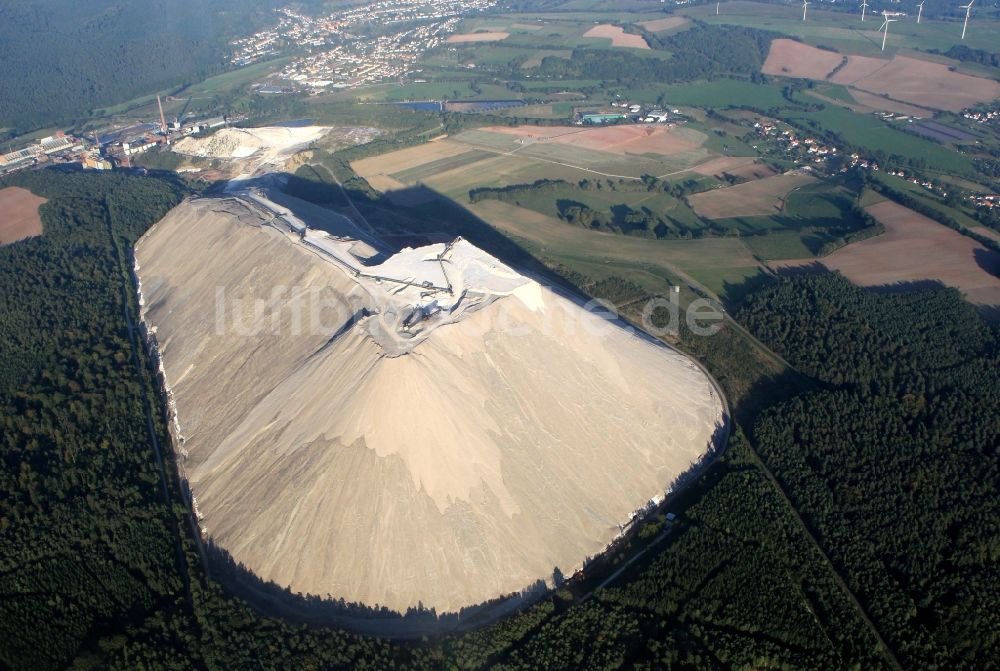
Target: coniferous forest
{"x":853,"y":525}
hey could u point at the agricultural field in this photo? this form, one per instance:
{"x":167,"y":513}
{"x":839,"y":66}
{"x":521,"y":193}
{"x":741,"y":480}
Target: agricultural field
{"x":917,"y":249}
{"x":813,"y":216}
{"x":844,"y":31}
{"x":503,"y":155}
{"x":745,"y":167}
{"x":618,"y":36}
{"x":708,"y":262}
{"x":756,"y":198}
{"x":920,"y":82}
{"x":19,"y":218}
{"x":759,"y":226}
{"x":719,"y":94}
{"x":865,"y":131}
{"x":618,"y":151}
{"x":875,"y":102}
{"x":477,"y":37}
{"x":664,"y":24}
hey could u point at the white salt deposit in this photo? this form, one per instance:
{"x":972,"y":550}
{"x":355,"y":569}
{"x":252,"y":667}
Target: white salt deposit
{"x":452,"y":435}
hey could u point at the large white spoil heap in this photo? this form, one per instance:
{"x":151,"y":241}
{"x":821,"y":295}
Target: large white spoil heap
{"x":432,"y":427}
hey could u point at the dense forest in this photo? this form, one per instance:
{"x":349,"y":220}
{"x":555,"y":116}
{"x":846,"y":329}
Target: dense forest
{"x":886,"y":443}
{"x":702,"y":52}
{"x":896,"y":463}
{"x":85,"y":532}
{"x":63,"y":58}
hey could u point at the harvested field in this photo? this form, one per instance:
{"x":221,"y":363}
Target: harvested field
{"x":639,"y":140}
{"x":404,"y":159}
{"x":536,"y":59}
{"x":502,"y":155}
{"x":760,"y":197}
{"x":789,"y":58}
{"x":740,"y":166}
{"x":497,"y":172}
{"x":478,"y":37}
{"x":625,"y":139}
{"x":911,"y":80}
{"x":988,"y":232}
{"x":420,"y":172}
{"x":19,"y":217}
{"x":618,"y":36}
{"x":916,"y":248}
{"x":666,"y":23}
{"x":857,"y":68}
{"x":929,"y":84}
{"x":887,"y":105}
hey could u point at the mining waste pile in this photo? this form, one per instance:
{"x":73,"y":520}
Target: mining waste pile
{"x":426,"y":427}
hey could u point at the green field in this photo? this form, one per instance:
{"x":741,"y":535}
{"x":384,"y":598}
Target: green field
{"x":229,"y":81}
{"x":860,"y":130}
{"x":679,"y":217}
{"x":709,"y":261}
{"x":929,"y":199}
{"x":223,"y":83}
{"x":813,"y":215}
{"x":845,"y":31}
{"x":723,"y":93}
{"x":866,"y":131}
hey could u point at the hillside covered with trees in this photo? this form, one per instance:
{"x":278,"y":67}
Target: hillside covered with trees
{"x":62,"y":58}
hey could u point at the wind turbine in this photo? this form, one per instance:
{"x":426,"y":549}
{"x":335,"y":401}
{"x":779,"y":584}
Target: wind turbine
{"x":886,"y":27}
{"x":864,"y":6}
{"x":805,"y":6}
{"x":968,"y":10}
{"x":920,"y":10}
